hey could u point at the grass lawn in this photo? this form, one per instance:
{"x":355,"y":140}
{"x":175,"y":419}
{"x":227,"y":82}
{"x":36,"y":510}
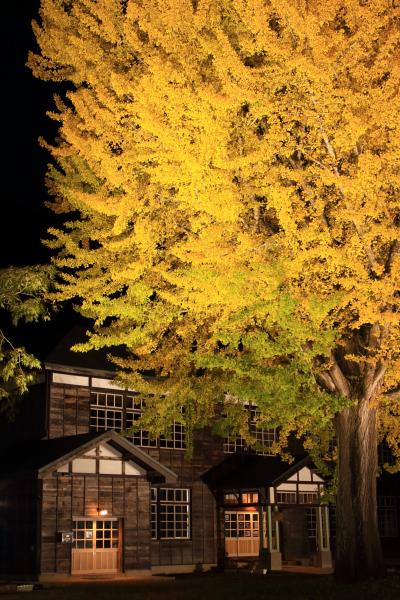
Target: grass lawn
{"x":222,"y":587}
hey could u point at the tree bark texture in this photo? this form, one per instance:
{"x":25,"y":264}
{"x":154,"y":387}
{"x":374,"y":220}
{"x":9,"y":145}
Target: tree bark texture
{"x":358,"y":547}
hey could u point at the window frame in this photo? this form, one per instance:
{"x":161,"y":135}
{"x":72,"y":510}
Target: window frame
{"x":140,"y":438}
{"x":167,"y":506}
{"x":233,"y":445}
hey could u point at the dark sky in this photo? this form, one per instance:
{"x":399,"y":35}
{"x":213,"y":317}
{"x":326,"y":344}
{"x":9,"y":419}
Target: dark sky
{"x":25,"y":101}
{"x":24,"y":218}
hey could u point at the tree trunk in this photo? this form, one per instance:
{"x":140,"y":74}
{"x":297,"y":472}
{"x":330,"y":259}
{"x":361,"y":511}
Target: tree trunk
{"x":358,"y":547}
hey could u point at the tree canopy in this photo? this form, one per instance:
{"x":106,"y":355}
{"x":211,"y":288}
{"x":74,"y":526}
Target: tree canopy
{"x":22,"y":291}
{"x":230,"y":175}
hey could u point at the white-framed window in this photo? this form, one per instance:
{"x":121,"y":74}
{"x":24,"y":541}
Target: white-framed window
{"x":176,"y":439}
{"x":118,"y":411}
{"x":232,"y":445}
{"x":388,"y":516}
{"x":308,"y":497}
{"x":286,"y":497}
{"x":264,"y":438}
{"x":154,"y":520}
{"x":170,"y":513}
{"x":134,"y":407}
{"x":239,"y":524}
{"x":311,"y":523}
{"x":106,"y":411}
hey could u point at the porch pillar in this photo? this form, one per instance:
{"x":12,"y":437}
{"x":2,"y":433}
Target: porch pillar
{"x":324,"y":556}
{"x":273,"y":554}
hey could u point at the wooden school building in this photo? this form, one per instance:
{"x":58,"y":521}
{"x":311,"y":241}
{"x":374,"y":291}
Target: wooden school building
{"x":78,"y":499}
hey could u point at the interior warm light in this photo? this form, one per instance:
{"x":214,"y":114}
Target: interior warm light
{"x":103,"y":512}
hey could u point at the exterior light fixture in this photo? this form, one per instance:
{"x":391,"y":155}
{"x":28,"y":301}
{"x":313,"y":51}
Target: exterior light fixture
{"x":103,"y":512}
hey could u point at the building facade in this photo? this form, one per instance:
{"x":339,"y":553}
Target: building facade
{"x":77,"y":498}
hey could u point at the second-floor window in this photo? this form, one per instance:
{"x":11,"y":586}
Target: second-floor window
{"x":120,"y":411}
{"x":264,"y":438}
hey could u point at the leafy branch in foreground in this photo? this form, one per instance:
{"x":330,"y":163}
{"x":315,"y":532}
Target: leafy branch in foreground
{"x":22,"y":296}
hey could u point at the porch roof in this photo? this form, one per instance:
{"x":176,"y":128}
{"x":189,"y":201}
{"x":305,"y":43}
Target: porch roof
{"x":251,"y":471}
{"x":42,"y":456}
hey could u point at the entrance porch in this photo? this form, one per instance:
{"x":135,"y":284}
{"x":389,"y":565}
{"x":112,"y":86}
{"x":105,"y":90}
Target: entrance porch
{"x":270,"y":513}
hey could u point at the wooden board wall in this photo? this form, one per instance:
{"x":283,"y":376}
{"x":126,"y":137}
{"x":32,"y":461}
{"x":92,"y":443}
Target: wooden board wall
{"x":69,"y":414}
{"x":68,"y":410}
{"x":66,"y":497}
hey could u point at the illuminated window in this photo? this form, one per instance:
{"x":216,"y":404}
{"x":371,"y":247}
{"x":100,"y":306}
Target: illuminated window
{"x":241,"y":524}
{"x":250,"y":498}
{"x":231,"y":498}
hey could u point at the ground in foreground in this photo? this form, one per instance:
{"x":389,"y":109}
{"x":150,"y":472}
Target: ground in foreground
{"x":226,"y":586}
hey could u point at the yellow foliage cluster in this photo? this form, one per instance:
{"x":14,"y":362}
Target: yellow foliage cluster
{"x":219,"y":153}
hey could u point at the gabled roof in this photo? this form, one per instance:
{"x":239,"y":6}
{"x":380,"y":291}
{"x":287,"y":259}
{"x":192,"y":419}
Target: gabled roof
{"x":249,"y":471}
{"x":43,"y":456}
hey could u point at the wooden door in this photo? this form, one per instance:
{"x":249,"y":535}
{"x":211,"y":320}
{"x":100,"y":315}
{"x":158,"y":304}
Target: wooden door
{"x":242,"y":533}
{"x":95,"y":546}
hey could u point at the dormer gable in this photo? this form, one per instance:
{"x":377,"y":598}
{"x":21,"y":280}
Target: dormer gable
{"x":106,"y":454}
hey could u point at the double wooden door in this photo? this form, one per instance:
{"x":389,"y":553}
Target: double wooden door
{"x":242,"y":533}
{"x":95,"y":546}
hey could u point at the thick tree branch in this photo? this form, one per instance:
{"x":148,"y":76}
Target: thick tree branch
{"x":325,"y":380}
{"x":371,"y":257}
{"x":393,"y":250}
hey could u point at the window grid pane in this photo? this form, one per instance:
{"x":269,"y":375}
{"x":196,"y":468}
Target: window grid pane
{"x":311,"y":523}
{"x":107,"y":411}
{"x":140,"y":437}
{"x":177,"y":439}
{"x":264,"y":438}
{"x":170,"y":513}
{"x":240,"y":525}
{"x":388,"y":516}
{"x":286,"y":497}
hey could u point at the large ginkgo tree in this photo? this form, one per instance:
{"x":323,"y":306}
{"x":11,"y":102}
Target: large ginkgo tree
{"x":230,"y":174}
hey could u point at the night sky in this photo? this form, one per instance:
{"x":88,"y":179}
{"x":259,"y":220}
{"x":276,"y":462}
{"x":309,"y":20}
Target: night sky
{"x":25,"y":218}
{"x":25,"y":101}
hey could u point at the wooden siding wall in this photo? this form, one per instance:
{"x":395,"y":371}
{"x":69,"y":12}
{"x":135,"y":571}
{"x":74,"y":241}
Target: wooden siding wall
{"x":68,"y":410}
{"x":69,"y":415}
{"x":18,"y":531}
{"x":202,"y":547}
{"x":66,"y":497}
